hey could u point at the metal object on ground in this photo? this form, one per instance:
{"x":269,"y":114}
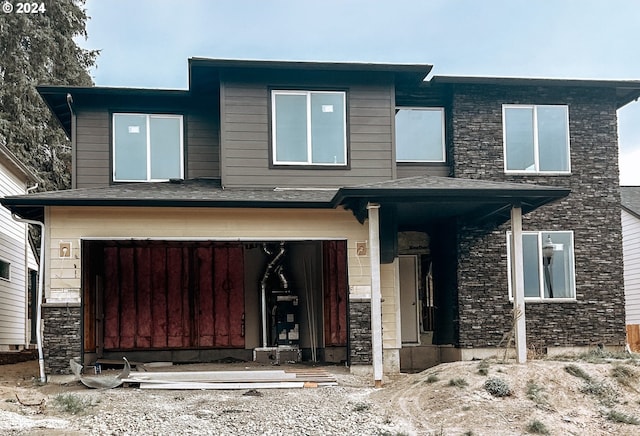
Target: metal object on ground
{"x":100,"y":381}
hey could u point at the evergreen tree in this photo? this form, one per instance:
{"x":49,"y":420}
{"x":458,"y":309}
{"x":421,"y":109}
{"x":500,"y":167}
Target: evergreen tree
{"x":38,"y":49}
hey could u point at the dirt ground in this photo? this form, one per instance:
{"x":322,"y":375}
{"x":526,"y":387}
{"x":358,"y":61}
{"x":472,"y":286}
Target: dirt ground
{"x":597,"y":394}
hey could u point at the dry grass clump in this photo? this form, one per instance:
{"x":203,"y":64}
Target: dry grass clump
{"x":537,"y":427}
{"x":623,"y":418}
{"x":458,"y":382}
{"x":73,"y":404}
{"x":498,"y":387}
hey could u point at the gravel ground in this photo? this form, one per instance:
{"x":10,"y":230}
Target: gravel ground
{"x":334,"y":410}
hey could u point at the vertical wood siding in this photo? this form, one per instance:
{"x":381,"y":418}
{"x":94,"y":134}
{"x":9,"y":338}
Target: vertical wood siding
{"x":631,"y":255}
{"x":173,"y":296}
{"x":335,"y":293}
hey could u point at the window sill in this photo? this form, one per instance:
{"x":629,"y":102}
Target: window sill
{"x":424,"y":163}
{"x":538,"y":173}
{"x":547,"y":300}
{"x":280,"y":166}
{"x":144,"y":181}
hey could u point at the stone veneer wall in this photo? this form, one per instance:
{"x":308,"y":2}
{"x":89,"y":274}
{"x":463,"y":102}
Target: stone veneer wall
{"x":591,"y":211}
{"x":360,"y":352}
{"x":62,"y":336}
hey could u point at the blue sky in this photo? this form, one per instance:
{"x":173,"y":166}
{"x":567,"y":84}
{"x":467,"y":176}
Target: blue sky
{"x":146,"y":43}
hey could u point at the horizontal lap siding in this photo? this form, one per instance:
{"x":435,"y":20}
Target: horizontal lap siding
{"x":92,"y":148}
{"x":631,"y":254}
{"x":203,"y":144}
{"x":72,"y":224}
{"x":246,"y":138}
{"x":12,"y":250}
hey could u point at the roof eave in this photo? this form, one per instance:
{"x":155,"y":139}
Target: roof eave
{"x":16,"y":166}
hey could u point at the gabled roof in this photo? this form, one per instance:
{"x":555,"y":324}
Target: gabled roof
{"x":417,"y":198}
{"x":15,"y":166}
{"x":630,"y":199}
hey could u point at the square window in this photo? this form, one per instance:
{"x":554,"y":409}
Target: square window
{"x":549,"y":271}
{"x":309,"y":128}
{"x":5,"y":270}
{"x":420,"y":135}
{"x":147,"y":147}
{"x":536,"y":139}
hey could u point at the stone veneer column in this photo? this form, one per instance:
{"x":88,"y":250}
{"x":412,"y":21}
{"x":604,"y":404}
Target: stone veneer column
{"x":360,"y":331}
{"x":62,"y":336}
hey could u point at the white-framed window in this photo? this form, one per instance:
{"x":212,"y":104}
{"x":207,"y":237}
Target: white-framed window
{"x":147,"y":147}
{"x":420,"y":134}
{"x":5,"y":270}
{"x":546,"y":277}
{"x":309,"y":127}
{"x":536,"y":139}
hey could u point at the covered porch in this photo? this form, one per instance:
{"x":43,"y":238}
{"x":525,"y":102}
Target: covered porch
{"x":416,"y":221}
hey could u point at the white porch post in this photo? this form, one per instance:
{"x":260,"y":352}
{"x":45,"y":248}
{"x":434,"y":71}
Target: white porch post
{"x":517,"y":276}
{"x":376,"y":297}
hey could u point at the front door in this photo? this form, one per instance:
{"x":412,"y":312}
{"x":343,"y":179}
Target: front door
{"x":408,"y":270}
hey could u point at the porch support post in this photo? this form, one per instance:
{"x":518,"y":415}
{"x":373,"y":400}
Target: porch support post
{"x":517,"y":277}
{"x":376,"y":297}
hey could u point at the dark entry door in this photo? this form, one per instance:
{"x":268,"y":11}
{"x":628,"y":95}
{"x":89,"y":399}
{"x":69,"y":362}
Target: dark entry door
{"x":173,"y":295}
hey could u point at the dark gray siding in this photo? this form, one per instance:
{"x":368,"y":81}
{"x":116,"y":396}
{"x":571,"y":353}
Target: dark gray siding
{"x":92,"y":148}
{"x":93,"y":145}
{"x":591,"y":211}
{"x":409,"y":170}
{"x":245,"y":133}
{"x":203,"y":143}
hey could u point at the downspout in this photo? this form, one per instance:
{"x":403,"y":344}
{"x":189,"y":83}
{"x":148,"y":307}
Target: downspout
{"x":29,"y":291}
{"x":74,"y":161}
{"x":43,"y":377}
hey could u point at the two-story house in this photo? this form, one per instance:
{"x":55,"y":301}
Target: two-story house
{"x":18,"y":267}
{"x":354,"y":212}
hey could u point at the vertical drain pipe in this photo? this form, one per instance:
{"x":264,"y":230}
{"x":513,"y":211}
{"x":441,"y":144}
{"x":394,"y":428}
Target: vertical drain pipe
{"x":43,"y":377}
{"x":263,"y":287}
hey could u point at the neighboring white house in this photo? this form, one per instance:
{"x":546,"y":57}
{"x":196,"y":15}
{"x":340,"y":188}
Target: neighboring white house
{"x":17,"y":262}
{"x":630,"y":199}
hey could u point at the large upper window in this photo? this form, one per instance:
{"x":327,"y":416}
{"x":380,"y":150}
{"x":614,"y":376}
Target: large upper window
{"x":548,"y":265}
{"x":309,"y":127}
{"x":420,"y":135}
{"x":536,"y":138}
{"x":147,"y":147}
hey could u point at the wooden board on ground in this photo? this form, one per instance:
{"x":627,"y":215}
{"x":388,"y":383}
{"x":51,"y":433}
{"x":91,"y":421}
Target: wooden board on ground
{"x":213,"y":376}
{"x":248,"y":379}
{"x":221,"y":386}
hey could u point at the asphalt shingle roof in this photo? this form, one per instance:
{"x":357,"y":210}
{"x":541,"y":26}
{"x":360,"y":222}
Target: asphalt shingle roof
{"x":452,"y":195}
{"x":630,"y":198}
{"x":200,"y":191}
